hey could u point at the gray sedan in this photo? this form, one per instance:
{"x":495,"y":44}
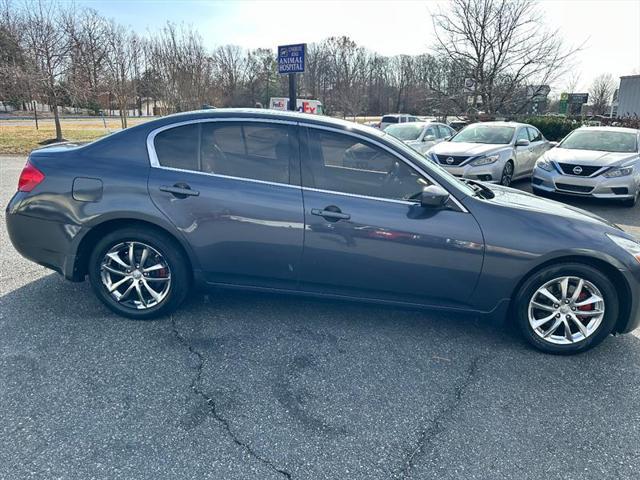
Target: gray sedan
{"x":496,"y":152}
{"x":600,"y":162}
{"x":421,"y":136}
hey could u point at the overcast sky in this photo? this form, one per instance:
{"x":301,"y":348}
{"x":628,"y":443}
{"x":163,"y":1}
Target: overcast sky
{"x":609,"y":29}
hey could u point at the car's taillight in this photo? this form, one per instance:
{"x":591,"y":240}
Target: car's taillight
{"x":29,"y":178}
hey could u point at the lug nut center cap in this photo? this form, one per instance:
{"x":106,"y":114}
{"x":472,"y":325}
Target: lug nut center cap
{"x":137,"y":274}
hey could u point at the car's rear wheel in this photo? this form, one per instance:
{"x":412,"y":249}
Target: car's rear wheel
{"x":566,"y":309}
{"x":507,"y":174}
{"x":138,"y":273}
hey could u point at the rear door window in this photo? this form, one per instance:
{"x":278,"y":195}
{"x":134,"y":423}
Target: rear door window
{"x":255,"y":151}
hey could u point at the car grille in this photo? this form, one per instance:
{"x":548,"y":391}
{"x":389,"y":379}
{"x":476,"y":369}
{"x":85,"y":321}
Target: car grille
{"x":585,"y":170}
{"x":456,"y":160}
{"x":574,"y":188}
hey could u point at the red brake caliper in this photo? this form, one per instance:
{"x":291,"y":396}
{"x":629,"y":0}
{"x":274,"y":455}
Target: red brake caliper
{"x":585,"y":308}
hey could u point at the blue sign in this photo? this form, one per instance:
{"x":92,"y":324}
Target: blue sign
{"x":291,"y":58}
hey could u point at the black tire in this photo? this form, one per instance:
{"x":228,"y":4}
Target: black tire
{"x":507,"y":174}
{"x":631,"y":202}
{"x":539,"y":192}
{"x":172,"y":254}
{"x":538,"y":279}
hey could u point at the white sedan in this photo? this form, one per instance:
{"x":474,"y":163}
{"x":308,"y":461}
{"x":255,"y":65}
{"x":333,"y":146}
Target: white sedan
{"x":420,"y":136}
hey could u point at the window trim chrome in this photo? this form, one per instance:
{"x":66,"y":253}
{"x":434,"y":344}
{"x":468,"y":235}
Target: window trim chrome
{"x":155,"y":163}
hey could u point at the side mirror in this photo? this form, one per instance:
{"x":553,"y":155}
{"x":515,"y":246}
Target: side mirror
{"x":429,"y":138}
{"x":553,"y":144}
{"x":434,"y":196}
{"x":521,"y":142}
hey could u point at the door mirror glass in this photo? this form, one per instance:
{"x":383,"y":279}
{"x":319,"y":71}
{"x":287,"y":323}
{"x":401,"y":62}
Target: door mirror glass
{"x":429,"y":138}
{"x":521,"y":142}
{"x":434,"y":196}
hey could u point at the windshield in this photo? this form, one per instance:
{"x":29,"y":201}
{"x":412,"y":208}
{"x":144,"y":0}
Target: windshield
{"x":601,"y":140}
{"x":430,"y":166}
{"x":405,"y":131}
{"x":479,"y":133}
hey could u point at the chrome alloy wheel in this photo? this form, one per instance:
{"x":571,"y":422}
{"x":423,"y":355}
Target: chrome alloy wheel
{"x":135,"y":275}
{"x":566,"y":310}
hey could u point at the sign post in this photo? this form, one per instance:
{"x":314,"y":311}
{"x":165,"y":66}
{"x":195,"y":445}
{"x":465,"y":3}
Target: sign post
{"x":290,"y":62}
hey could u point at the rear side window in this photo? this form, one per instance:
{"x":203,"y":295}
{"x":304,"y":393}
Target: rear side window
{"x":178,"y":147}
{"x":253,"y":151}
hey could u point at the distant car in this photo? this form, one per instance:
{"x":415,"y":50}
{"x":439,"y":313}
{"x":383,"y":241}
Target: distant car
{"x":496,"y":152}
{"x":394,"y":118}
{"x":600,"y":162}
{"x":458,"y":124}
{"x":421,"y":136}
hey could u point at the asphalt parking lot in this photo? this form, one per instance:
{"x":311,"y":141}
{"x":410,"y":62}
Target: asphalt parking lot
{"x":243,"y":386}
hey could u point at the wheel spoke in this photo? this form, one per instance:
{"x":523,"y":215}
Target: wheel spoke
{"x":132,"y":258}
{"x":553,"y":328}
{"x":157,"y":279}
{"x":589,"y":301}
{"x":577,"y":291}
{"x":157,"y":266}
{"x":115,"y":286}
{"x":151,"y":291}
{"x":143,"y":257}
{"x":126,"y":292}
{"x":549,"y":295}
{"x":567,"y":330}
{"x":548,"y":308}
{"x":564,"y":287}
{"x":140,"y":295}
{"x":588,"y":313}
{"x":113,"y":270}
{"x":580,"y":325}
{"x":538,"y":323}
{"x":116,"y":258}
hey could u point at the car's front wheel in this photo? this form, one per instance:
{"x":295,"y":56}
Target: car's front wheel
{"x":566,"y":309}
{"x":507,"y":174}
{"x":139,"y":273}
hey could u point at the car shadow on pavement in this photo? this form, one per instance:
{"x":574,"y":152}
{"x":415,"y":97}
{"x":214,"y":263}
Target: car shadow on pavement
{"x":308,"y":387}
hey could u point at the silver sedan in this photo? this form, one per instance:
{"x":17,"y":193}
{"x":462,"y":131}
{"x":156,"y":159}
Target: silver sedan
{"x":496,"y":152}
{"x":600,"y":162}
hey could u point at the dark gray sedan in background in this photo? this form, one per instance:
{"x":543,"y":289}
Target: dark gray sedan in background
{"x":273,"y":201}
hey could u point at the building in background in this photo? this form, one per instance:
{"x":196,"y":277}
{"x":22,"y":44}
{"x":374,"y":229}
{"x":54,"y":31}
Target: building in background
{"x":629,"y":96}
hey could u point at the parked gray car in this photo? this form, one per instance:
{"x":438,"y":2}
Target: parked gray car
{"x":496,"y":152}
{"x":265,"y":200}
{"x":421,"y":136}
{"x":600,"y":162}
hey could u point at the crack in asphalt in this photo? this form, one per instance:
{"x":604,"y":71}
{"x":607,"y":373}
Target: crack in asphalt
{"x":196,"y":387}
{"x":436,"y":425}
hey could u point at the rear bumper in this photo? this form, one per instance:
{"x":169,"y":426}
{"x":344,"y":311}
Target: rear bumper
{"x":44,"y":242}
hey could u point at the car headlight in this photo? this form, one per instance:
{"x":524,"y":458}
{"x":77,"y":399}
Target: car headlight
{"x":618,"y":172}
{"x":545,"y":164}
{"x":631,"y":246}
{"x":486,"y":160}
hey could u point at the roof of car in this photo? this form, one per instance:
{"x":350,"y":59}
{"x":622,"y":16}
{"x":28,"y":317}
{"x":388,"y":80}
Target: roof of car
{"x":264,"y":114}
{"x":611,"y":129}
{"x":504,"y":124}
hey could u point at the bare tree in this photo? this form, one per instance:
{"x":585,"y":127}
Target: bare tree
{"x":502,"y":48}
{"x":601,"y":92}
{"x":49,"y":46}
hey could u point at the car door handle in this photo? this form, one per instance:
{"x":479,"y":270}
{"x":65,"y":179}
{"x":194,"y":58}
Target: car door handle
{"x":330,"y":213}
{"x":180,"y":190}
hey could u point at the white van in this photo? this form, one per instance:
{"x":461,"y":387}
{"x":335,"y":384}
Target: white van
{"x":303,"y":105}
